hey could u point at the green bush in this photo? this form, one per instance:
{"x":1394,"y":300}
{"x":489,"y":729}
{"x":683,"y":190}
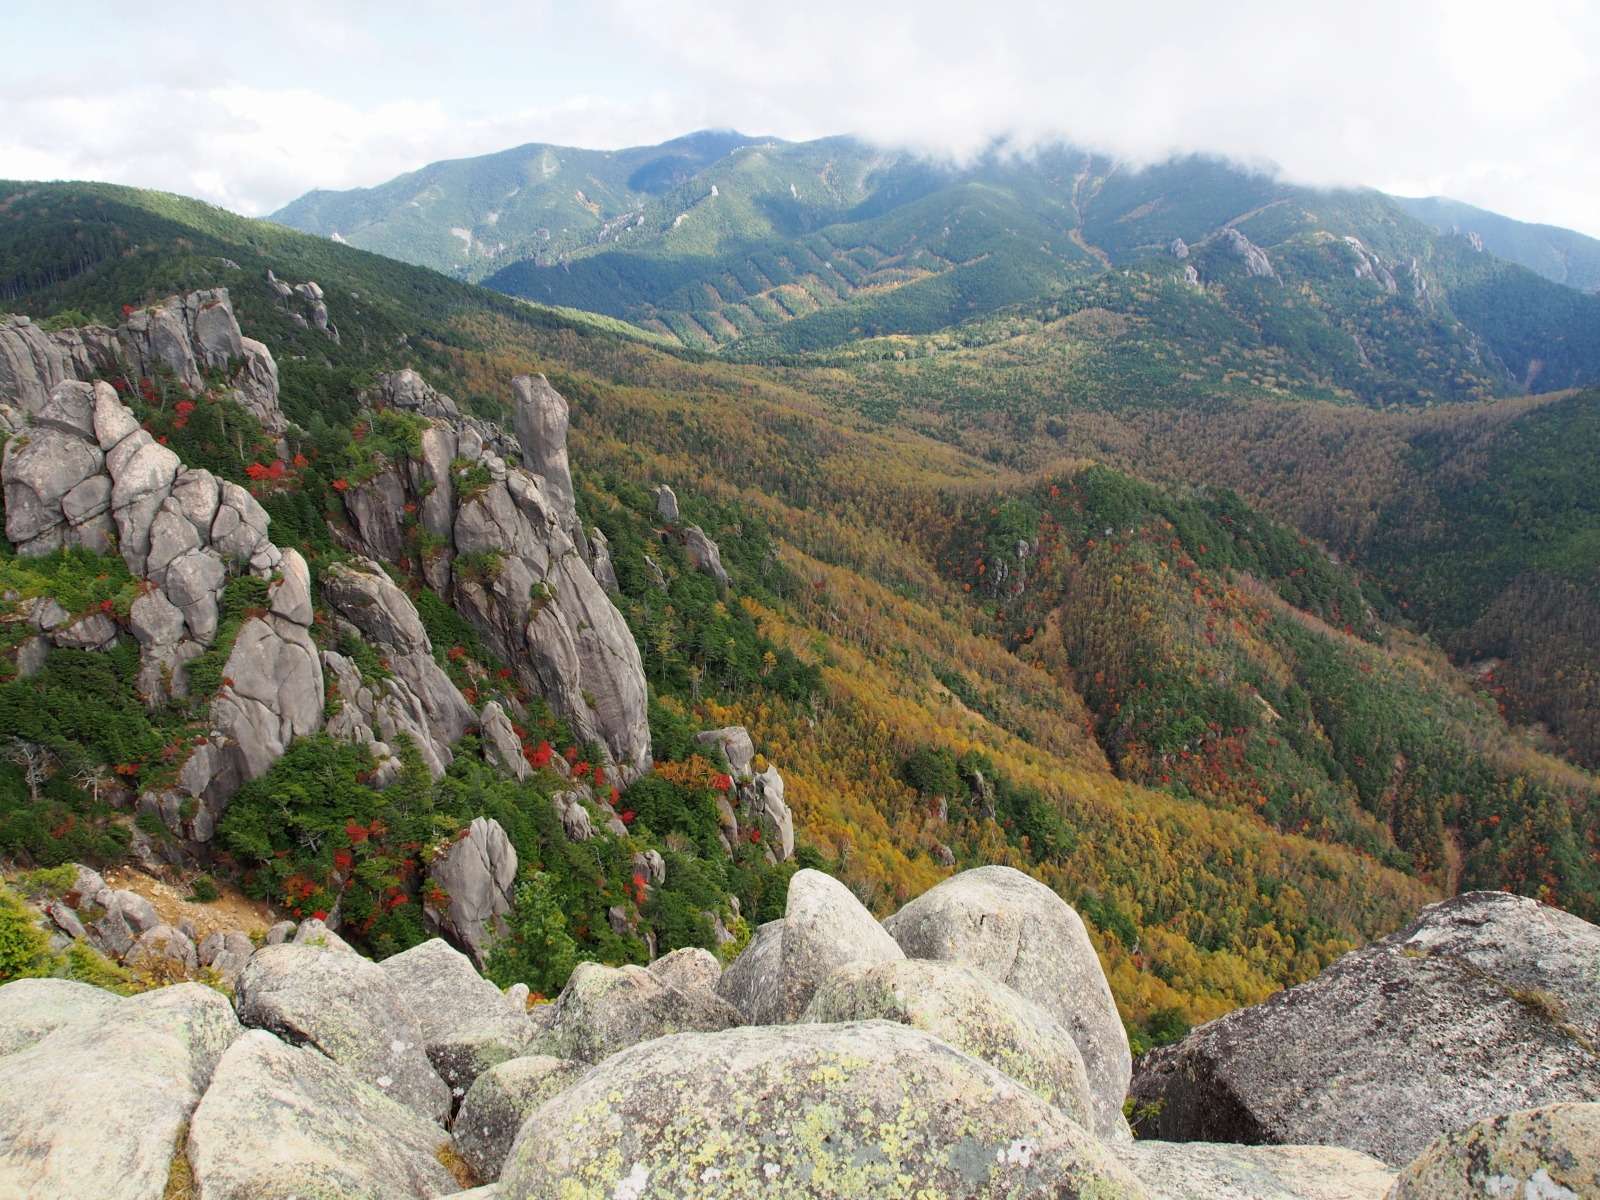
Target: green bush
{"x":24,"y":948}
{"x":537,"y":949}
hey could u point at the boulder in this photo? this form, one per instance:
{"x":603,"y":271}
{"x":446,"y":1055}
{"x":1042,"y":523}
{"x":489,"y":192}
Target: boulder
{"x":315,"y":933}
{"x":502,"y":745}
{"x":864,"y":1109}
{"x":478,"y":873}
{"x":751,"y":982}
{"x":605,"y":1009}
{"x":972,"y":1012}
{"x":824,"y":927}
{"x":95,"y":1107}
{"x":280,"y":1121}
{"x":1477,"y":1007}
{"x":1208,"y":1171}
{"x":765,"y":798}
{"x":667,"y":504}
{"x":348,"y":1008}
{"x":1550,"y":1153}
{"x":467,"y":1026}
{"x":226,"y":954}
{"x":689,"y":969}
{"x":32,"y":1009}
{"x":164,"y":950}
{"x":123,"y":917}
{"x":498,"y":1104}
{"x":1014,"y":929}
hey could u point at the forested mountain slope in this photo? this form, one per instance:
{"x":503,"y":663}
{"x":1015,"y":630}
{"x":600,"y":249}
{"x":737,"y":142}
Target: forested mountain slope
{"x":1198,"y":275}
{"x":1168,"y":721}
{"x":1557,"y":254}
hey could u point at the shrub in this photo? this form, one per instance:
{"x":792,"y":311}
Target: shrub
{"x":24,"y":948}
{"x":537,"y":949}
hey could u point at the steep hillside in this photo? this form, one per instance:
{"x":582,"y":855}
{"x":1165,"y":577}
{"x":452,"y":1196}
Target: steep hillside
{"x":916,"y":724}
{"x":1558,"y":254}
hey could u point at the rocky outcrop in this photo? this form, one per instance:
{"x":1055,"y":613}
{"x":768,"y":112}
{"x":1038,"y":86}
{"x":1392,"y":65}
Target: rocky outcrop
{"x":760,"y":794}
{"x":185,"y":339}
{"x":416,"y":699}
{"x":467,"y":1026}
{"x":605,"y":1009}
{"x":95,"y":1107}
{"x":477,"y":874}
{"x":500,"y":1102}
{"x":1206,"y":1171}
{"x":83,"y":473}
{"x":32,"y":1009}
{"x":505,"y":550}
{"x":690,"y":969}
{"x":1485,"y":1004}
{"x":863,"y":1109}
{"x":1548,"y":1153}
{"x":705,"y":557}
{"x":306,"y":305}
{"x":350,"y":1010}
{"x":283,"y":1121}
{"x":667,"y":504}
{"x":1179,"y":248}
{"x":970,"y":1011}
{"x":1014,"y":929}
{"x":1369,"y":265}
{"x":1256,"y":262}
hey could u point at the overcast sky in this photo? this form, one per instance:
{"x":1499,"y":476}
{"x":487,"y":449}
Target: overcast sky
{"x":249,"y":105}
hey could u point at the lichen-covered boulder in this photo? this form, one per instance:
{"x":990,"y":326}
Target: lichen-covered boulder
{"x":467,"y":1026}
{"x":94,"y":1108}
{"x":279,"y":1121}
{"x":348,"y":1008}
{"x":865,"y":1109}
{"x":32,"y":1009}
{"x":1212,"y":1171}
{"x":499,"y":1102}
{"x":688,"y":969}
{"x":1013,"y":928}
{"x":1479,"y":1007}
{"x":1550,"y":1153}
{"x":972,"y":1012}
{"x":750,"y":982}
{"x":605,"y":1009}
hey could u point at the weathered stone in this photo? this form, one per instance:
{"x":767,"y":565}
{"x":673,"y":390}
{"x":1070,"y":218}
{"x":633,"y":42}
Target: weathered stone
{"x":1550,"y":1153}
{"x":751,"y":982}
{"x":972,"y":1012}
{"x":124,"y":916}
{"x":316,"y":934}
{"x":772,"y":813}
{"x":41,"y":467}
{"x":348,"y":1008}
{"x":279,"y":1122}
{"x":704,"y":556}
{"x":1208,"y":1171}
{"x":164,"y":949}
{"x":824,"y":927}
{"x":113,"y":420}
{"x":32,"y":1009}
{"x":94,"y":632}
{"x":667,"y":504}
{"x":1478,"y":1007}
{"x":155,"y":620}
{"x":499,"y":1103}
{"x":95,"y":1107}
{"x":280,"y":933}
{"x":866,"y":1109}
{"x":604,"y":1009}
{"x":540,"y":414}
{"x":689,"y":969}
{"x":226,"y":954}
{"x":735,"y":745}
{"x":501,"y":741}
{"x":1254,"y":257}
{"x":290,"y":596}
{"x":276,"y":693}
{"x":69,"y":409}
{"x":478,"y":873}
{"x":467,"y":1026}
{"x":1014,"y":929}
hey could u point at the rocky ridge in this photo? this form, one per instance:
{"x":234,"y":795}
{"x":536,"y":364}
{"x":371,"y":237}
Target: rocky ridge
{"x":333,"y":1076}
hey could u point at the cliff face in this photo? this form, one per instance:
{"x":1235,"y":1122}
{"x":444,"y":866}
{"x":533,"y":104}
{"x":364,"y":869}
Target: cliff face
{"x":505,"y":547}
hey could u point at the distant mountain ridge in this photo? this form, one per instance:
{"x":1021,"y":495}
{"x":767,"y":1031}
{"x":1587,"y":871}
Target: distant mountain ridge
{"x":1560,"y":255}
{"x":762,"y":249}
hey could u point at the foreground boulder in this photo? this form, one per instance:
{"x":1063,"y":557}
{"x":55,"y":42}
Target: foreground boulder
{"x":94,"y":1108}
{"x":824,"y":926}
{"x":279,"y":1121}
{"x":1542,"y":1154}
{"x":864,"y":1109}
{"x":467,"y":1026}
{"x":500,"y":1101}
{"x":604,"y":1009}
{"x":347,"y":1007}
{"x":1486,"y":1003}
{"x":973,"y":1013}
{"x":1014,"y":929}
{"x":32,"y":1009}
{"x":1207,"y":1171}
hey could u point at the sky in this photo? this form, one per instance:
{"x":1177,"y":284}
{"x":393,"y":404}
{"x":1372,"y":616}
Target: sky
{"x":250,"y":105}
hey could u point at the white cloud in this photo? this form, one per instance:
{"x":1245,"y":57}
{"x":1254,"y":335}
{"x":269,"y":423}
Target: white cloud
{"x":1493,"y":106}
